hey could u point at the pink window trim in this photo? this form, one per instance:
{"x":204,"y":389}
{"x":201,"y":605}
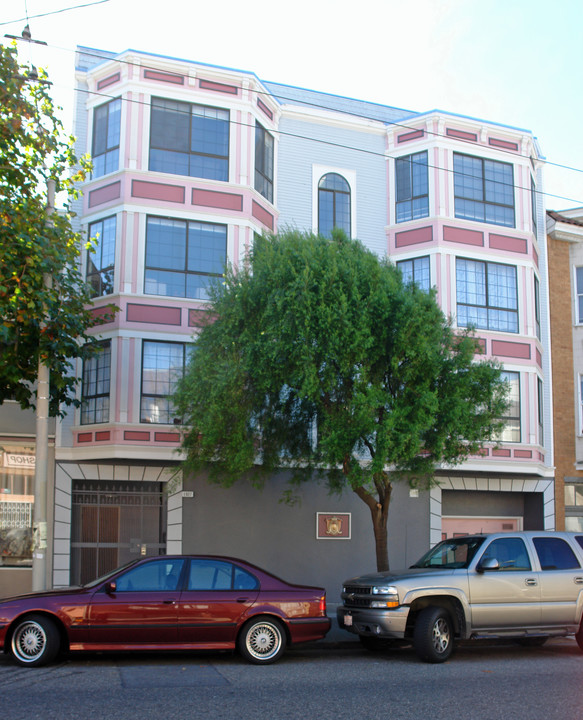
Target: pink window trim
{"x":263,"y":107}
{"x":463,"y":236}
{"x":461,"y":134}
{"x":164,"y":77}
{"x":158,"y":191}
{"x":167,"y":437}
{"x":406,"y":137}
{"x":136,"y":435}
{"x":495,"y":142}
{"x":511,"y":244}
{"x":215,"y":199}
{"x":218,"y":87}
{"x":261,"y":214}
{"x":106,"y":82}
{"x":104,"y":194}
{"x":153,"y":314}
{"x":504,"y":348}
{"x":414,"y":237}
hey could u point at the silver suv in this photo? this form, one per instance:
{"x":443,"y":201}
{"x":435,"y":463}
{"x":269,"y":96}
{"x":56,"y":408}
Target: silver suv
{"x":522,"y":585}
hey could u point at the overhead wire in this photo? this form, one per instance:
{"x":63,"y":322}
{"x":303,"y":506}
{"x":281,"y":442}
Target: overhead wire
{"x":51,"y":12}
{"x":106,"y":56}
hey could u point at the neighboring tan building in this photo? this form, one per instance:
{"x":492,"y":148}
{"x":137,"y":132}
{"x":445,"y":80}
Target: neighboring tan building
{"x":190,"y":162}
{"x":565,"y":247}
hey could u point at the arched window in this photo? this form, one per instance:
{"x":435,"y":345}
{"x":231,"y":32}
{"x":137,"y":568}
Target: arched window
{"x":333,"y":204}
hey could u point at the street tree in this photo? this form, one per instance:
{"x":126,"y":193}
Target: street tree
{"x":317,"y":357}
{"x":42,"y":294}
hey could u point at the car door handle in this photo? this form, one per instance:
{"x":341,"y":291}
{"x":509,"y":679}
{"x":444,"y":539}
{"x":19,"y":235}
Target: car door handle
{"x":530,"y":581}
{"x":242,"y":599}
{"x":170,"y":602}
{"x":578,"y":580}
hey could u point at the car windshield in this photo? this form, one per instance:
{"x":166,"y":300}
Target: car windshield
{"x":451,"y":554}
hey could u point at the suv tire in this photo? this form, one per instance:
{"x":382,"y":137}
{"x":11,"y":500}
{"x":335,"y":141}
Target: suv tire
{"x":433,"y":635}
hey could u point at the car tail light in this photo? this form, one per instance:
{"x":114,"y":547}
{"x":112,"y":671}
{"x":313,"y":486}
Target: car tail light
{"x":323,"y":605}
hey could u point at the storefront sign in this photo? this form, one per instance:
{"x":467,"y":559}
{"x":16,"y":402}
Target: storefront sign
{"x":14,"y":460}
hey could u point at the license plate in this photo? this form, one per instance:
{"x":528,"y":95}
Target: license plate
{"x":348,"y":620}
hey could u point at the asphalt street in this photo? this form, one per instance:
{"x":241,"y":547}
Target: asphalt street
{"x":324,"y":681}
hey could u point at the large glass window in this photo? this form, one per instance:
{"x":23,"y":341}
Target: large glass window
{"x":412,"y":187}
{"x":16,"y":506}
{"x":579,"y":282}
{"x":487,"y":295}
{"x":263,"y":162}
{"x":511,"y":432}
{"x":189,"y":139}
{"x":484,"y":190}
{"x":101,"y":258}
{"x":537,"y":307}
{"x":540,"y":410}
{"x":574,"y":507}
{"x":162,"y":368}
{"x":106,"y":132}
{"x":333,"y":204}
{"x":416,"y":271}
{"x":183,"y":257}
{"x":96,"y":385}
{"x":533,"y":204}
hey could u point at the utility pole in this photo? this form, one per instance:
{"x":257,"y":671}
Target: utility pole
{"x":39,"y":554}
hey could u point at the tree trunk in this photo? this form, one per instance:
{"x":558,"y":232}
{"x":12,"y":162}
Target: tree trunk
{"x":379,"y":510}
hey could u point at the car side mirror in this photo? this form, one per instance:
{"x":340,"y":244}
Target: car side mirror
{"x":488,"y":564}
{"x":110,"y":587}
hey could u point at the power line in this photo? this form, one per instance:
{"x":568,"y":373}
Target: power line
{"x":336,"y":144}
{"x":105,"y":56}
{"x":53,"y":12}
{"x":319,"y":106}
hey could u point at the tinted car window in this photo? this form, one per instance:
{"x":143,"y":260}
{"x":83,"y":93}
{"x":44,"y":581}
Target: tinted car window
{"x":155,"y":576}
{"x":510,"y":552}
{"x":244,"y":580}
{"x":210,"y":575}
{"x":579,"y":539}
{"x":555,"y":554}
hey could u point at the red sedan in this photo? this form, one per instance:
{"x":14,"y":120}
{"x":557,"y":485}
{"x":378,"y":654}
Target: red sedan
{"x":167,"y":603}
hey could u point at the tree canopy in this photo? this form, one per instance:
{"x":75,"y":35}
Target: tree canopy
{"x":42,"y":295}
{"x":317,"y":357}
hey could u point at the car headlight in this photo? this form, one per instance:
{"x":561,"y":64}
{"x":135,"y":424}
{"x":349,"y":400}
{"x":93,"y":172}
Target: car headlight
{"x":384,"y":590}
{"x":390,"y":599}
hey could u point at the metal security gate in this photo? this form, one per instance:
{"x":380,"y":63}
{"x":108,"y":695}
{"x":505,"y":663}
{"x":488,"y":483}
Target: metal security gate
{"x":113,"y":523}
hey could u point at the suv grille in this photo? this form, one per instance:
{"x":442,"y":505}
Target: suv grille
{"x":358,"y":590}
{"x":357,"y":596}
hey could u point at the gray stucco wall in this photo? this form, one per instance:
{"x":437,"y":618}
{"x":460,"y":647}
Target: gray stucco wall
{"x":252,"y":524}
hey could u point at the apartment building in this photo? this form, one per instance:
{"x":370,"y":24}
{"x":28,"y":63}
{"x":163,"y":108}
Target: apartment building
{"x":565,"y":246}
{"x":190,"y":162}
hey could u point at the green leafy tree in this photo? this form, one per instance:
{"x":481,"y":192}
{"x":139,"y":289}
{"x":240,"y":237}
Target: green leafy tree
{"x":319,"y":359}
{"x":39,"y":318}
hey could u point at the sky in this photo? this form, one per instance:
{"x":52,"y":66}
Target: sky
{"x":514,"y":62}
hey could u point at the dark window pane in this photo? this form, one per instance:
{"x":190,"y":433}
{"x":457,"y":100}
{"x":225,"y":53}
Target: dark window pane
{"x":484,"y":190}
{"x":334,"y":204}
{"x":189,"y":140}
{"x":555,"y":554}
{"x":95,"y":385}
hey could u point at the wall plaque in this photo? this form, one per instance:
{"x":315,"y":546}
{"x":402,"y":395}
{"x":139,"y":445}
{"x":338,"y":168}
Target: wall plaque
{"x":333,"y":526}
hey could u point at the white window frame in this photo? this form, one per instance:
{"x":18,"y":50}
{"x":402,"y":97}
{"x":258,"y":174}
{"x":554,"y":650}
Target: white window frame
{"x":318,"y":171}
